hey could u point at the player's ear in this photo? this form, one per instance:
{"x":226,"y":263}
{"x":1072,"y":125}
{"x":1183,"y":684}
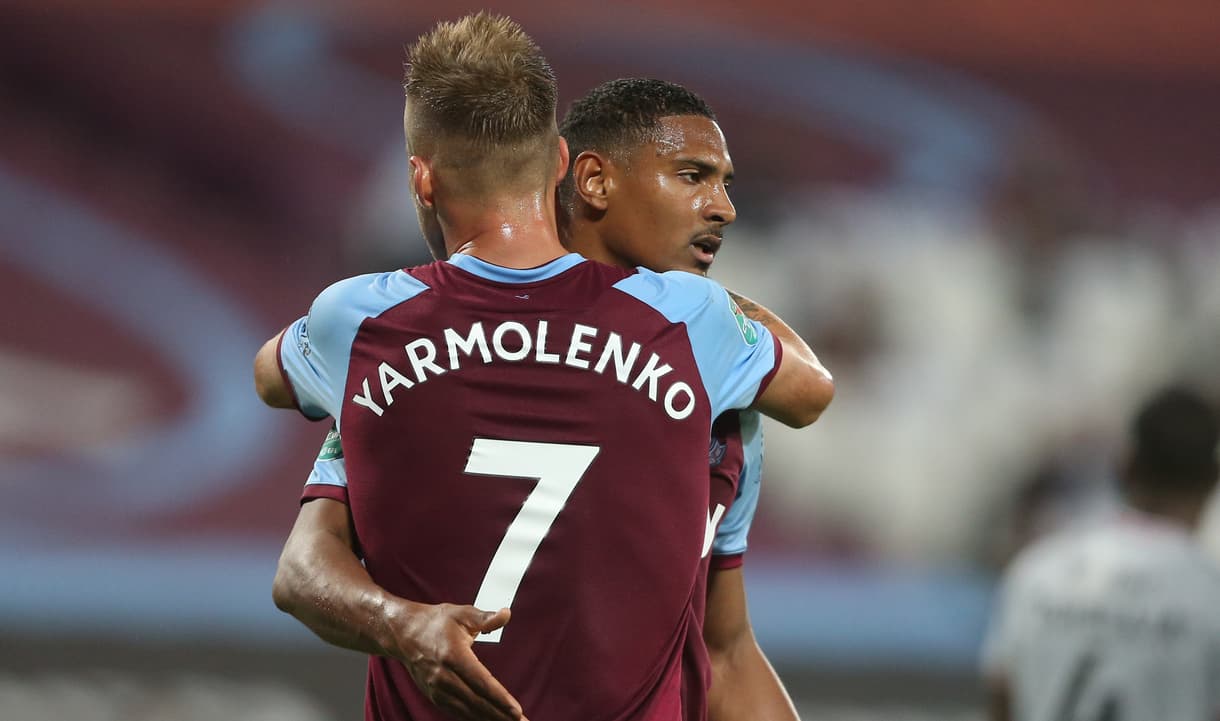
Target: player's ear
{"x":591,"y":180}
{"x":561,"y":166}
{"x":421,"y":181}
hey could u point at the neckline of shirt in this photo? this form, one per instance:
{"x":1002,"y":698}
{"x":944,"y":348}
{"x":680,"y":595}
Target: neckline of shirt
{"x":501,"y":274}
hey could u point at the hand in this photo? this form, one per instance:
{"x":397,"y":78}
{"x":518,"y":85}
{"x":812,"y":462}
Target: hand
{"x":437,"y":653}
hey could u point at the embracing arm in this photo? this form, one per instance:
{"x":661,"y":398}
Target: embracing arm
{"x":744,"y":686}
{"x":322,"y":583}
{"x":802,"y":387}
{"x":269,"y":383}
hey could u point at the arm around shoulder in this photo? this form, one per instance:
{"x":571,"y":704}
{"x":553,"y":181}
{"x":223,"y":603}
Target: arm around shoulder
{"x":802,"y":387}
{"x":269,"y":382}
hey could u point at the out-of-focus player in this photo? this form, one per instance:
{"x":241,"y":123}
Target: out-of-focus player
{"x":522,"y":428}
{"x":1121,"y":622}
{"x":680,"y":171}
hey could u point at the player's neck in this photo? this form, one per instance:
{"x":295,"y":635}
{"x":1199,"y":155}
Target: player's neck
{"x":1178,"y":510}
{"x":582,"y":239}
{"x":514,"y":232}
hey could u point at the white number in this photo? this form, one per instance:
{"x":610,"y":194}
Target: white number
{"x":558,"y":467}
{"x":709,"y":531}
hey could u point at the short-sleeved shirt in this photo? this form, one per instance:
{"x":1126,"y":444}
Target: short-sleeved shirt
{"x":532,"y":439}
{"x":1119,"y":621}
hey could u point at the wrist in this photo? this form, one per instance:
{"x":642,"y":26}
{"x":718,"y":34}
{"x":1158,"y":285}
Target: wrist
{"x":389,"y":615}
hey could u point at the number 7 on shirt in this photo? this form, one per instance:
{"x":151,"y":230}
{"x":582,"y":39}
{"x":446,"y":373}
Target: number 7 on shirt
{"x":558,"y":468}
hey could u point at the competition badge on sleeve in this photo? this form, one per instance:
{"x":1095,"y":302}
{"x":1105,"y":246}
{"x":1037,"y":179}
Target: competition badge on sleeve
{"x":332,"y":449}
{"x":748,"y":332}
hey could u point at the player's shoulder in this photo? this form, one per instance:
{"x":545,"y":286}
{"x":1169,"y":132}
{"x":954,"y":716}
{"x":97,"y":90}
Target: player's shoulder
{"x":1050,"y":556}
{"x":669,"y":281}
{"x":610,"y":273}
{"x":676,"y":294}
{"x":366,"y":295}
{"x":1188,"y":565}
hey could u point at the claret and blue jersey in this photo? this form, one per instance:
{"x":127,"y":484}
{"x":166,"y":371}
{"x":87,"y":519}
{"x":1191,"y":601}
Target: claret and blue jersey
{"x":533,"y":439}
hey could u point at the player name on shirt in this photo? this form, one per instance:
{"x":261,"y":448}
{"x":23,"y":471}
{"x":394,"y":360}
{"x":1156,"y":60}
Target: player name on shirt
{"x":1166,"y":623}
{"x":587,"y":348}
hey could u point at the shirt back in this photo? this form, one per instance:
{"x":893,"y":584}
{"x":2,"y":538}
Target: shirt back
{"x":1115,"y":622}
{"x":535,"y":439}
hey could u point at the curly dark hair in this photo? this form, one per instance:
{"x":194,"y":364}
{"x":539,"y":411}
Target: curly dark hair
{"x":618,"y":115}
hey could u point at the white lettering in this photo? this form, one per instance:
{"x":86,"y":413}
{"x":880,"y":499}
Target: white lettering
{"x":672,"y":393}
{"x":578,"y":345}
{"x":497,"y":341}
{"x":422,"y":353}
{"x":651,"y":373}
{"x":366,"y":400}
{"x":542,"y":356}
{"x":622,"y":365}
{"x":391,"y":379}
{"x":474,"y":339}
{"x":709,"y":531}
{"x":679,"y":398}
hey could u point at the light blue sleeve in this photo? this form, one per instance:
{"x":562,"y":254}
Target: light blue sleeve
{"x":316,"y":349}
{"x":328,"y":473}
{"x":329,"y":469}
{"x":734,"y":354}
{"x":732,"y":535}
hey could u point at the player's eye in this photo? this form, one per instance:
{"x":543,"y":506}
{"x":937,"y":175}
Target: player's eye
{"x":691,"y":176}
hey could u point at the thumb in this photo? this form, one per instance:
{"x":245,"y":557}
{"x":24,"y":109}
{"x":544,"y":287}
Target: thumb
{"x":491,"y":620}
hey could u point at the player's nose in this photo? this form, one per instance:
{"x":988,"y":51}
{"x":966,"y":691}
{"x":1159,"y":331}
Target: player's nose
{"x":720,"y":208}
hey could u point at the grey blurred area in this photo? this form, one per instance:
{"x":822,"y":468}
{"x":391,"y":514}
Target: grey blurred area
{"x":105,"y":680}
{"x":998,"y":226}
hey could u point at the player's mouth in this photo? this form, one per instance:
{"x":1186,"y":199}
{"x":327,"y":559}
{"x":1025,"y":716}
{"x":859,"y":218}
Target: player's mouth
{"x":704,"y":249}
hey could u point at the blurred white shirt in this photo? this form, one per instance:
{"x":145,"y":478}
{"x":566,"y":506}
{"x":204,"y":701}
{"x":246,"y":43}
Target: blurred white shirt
{"x":1117,"y":622}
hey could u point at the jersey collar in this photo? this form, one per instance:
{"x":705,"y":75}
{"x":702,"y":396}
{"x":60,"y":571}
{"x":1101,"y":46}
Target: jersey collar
{"x":499,"y":273}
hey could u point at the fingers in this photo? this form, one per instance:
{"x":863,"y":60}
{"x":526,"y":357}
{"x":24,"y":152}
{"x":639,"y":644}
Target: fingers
{"x":464,"y":704}
{"x":451,"y":674}
{"x":484,"y":687}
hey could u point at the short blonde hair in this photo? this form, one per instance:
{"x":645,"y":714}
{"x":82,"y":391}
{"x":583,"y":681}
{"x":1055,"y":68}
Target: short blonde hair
{"x":481,"y":79}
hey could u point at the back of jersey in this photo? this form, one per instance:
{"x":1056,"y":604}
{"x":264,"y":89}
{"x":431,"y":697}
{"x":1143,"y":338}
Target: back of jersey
{"x":1115,"y":623}
{"x":538,"y":440}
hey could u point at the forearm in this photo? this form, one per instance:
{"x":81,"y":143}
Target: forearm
{"x":322,"y":583}
{"x":802,"y":388}
{"x":792,"y":343}
{"x":746,"y":688}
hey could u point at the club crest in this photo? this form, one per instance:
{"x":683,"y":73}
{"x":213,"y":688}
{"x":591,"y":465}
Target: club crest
{"x":715,"y":451}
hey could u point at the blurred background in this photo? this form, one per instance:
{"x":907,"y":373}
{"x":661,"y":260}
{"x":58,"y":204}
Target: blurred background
{"x":997,"y":223}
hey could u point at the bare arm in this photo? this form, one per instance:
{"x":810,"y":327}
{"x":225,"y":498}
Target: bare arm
{"x":322,"y":583}
{"x":269,"y":383}
{"x":802,"y":387}
{"x":744,"y":686}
